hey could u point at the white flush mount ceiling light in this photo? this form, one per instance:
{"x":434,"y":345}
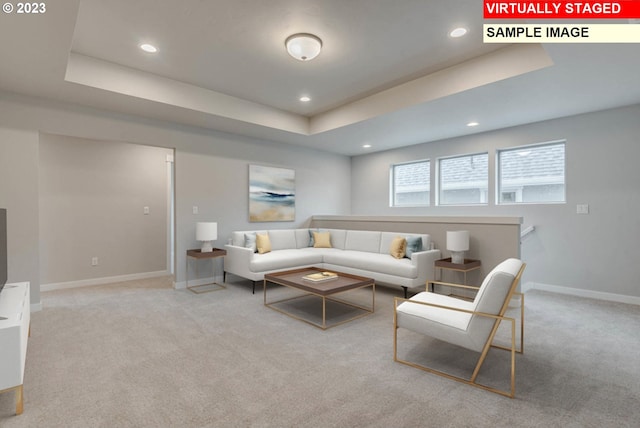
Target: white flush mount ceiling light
{"x":148,"y":48}
{"x":303,"y":46}
{"x":471,"y":124}
{"x":305,"y":99}
{"x":458,"y":32}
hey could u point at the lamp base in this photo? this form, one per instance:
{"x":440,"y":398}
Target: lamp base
{"x":206,"y":247}
{"x":457,"y":257}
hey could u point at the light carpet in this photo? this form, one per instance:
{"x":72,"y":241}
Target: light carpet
{"x":141,"y":354}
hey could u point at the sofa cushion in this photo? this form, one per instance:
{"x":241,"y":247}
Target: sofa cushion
{"x":250,"y":241}
{"x":374,"y":262}
{"x":398,"y":247}
{"x":338,"y":237}
{"x":238,"y":238}
{"x":414,"y":245}
{"x":387,"y":237}
{"x":282,"y":239}
{"x":456,"y":319}
{"x":263,"y":244}
{"x":303,"y":238}
{"x":284,"y":259}
{"x":321,"y":240}
{"x":362,"y":240}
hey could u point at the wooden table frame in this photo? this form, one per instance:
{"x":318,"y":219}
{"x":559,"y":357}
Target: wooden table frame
{"x":446,"y":264}
{"x":197,"y":254}
{"x":324,"y":289}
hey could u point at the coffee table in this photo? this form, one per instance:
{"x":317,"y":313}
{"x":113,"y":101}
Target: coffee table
{"x":326,"y":290}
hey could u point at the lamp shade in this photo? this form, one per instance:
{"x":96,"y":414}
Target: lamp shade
{"x":458,"y":240}
{"x":206,"y":231}
{"x":303,"y":46}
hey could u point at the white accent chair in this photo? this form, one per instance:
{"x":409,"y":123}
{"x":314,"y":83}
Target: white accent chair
{"x":468,"y":324}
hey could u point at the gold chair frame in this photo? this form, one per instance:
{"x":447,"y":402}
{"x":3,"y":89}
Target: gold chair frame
{"x":489,"y":343}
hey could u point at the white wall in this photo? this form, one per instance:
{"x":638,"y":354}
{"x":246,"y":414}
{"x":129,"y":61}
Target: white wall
{"x":19,"y":195}
{"x":211,"y":168}
{"x":595,"y":253}
{"x":216,"y":180}
{"x":92,"y":196}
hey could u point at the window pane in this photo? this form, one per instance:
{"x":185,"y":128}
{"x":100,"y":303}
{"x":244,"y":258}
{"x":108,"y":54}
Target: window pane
{"x":464,"y":180}
{"x":532,"y":174}
{"x":411,"y":184}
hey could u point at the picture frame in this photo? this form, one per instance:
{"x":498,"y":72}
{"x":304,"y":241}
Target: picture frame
{"x":272,"y":194}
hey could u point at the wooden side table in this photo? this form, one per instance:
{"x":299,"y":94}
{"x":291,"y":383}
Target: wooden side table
{"x":197,"y":255}
{"x":445,"y":264}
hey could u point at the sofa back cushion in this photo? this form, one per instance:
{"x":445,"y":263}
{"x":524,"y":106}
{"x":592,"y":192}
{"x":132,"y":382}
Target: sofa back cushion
{"x":338,"y":237}
{"x":303,"y":238}
{"x":363,"y":240}
{"x":282,"y":239}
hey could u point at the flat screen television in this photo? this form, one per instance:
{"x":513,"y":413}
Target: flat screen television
{"x":3,"y":248}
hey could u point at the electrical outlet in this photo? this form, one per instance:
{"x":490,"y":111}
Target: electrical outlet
{"x":582,"y":209}
{"x":146,"y":210}
{"x":195,"y":209}
{"x":94,"y":261}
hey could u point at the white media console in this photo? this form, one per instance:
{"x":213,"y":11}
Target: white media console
{"x":15,"y":318}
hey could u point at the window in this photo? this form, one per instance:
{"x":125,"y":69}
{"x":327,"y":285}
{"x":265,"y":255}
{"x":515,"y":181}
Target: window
{"x":410,"y":184}
{"x":463,"y":179}
{"x":532,"y":174}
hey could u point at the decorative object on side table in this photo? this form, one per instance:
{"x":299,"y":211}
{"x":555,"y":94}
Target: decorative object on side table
{"x":458,"y":243}
{"x":206,"y":232}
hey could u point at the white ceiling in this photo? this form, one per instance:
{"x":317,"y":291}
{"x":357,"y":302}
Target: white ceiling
{"x":388,"y":75}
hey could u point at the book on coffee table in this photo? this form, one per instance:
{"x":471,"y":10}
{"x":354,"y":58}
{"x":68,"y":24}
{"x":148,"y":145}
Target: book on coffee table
{"x":321,"y":276}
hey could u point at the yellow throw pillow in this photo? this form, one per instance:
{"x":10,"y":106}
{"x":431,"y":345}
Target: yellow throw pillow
{"x":398,"y":247}
{"x":322,"y":239}
{"x":263,"y":243}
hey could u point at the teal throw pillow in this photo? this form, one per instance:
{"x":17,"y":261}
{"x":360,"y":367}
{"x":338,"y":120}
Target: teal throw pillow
{"x":312,"y":242}
{"x":414,"y":245}
{"x":250,"y":241}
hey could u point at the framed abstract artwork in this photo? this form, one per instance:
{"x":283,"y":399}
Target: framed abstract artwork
{"x":272,"y":194}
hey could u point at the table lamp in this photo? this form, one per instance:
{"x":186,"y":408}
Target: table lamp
{"x":457,"y":243}
{"x":206,"y":232}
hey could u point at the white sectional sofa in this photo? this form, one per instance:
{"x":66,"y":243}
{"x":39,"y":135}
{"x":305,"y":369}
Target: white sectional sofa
{"x":364,"y":253}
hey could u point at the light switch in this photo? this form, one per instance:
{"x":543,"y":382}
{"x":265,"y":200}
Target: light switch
{"x":582,"y":209}
{"x":195,"y":209}
{"x":146,"y":210}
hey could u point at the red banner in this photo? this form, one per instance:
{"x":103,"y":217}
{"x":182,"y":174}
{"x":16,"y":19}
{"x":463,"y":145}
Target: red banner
{"x":587,"y":9}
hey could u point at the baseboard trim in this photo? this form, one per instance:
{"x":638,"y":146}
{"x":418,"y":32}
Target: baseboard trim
{"x":598,"y":295}
{"x":36,"y":307}
{"x":101,"y":281}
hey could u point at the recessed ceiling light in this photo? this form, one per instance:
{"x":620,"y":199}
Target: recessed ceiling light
{"x":148,"y":48}
{"x":473,"y":124}
{"x":305,"y":99}
{"x":458,"y":32}
{"x":366,"y":146}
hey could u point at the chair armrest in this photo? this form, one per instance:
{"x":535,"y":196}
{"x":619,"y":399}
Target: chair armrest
{"x":450,"y":284}
{"x":452,"y":308}
{"x":425,"y":261}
